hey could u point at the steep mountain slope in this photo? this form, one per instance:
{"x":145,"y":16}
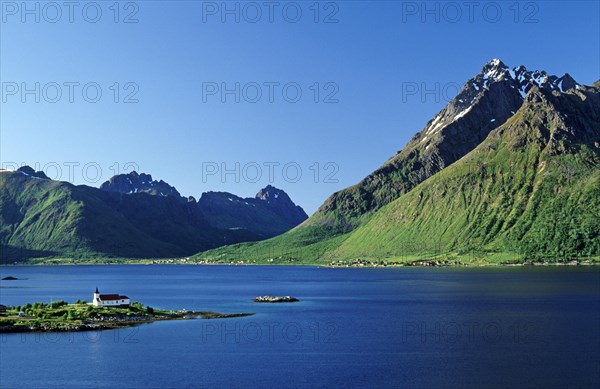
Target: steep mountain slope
{"x":532,"y":188}
{"x":41,"y":217}
{"x":487,"y":101}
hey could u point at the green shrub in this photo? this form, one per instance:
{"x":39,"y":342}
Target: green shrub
{"x":58,"y":304}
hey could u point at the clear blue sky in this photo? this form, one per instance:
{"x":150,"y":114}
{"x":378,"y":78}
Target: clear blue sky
{"x":177,"y":50}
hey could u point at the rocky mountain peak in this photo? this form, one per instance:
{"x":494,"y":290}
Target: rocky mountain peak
{"x":270,"y":211}
{"x":519,"y":78}
{"x":279,"y":201}
{"x":570,"y":118}
{"x":494,"y":68}
{"x":28,"y":170}
{"x":485,"y":102}
{"x":272,"y":194}
{"x":568,"y":82}
{"x":499,"y":84}
{"x":135,"y":182}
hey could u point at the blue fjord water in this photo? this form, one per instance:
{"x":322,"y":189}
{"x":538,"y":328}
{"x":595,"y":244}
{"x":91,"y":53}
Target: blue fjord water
{"x":354,"y":328}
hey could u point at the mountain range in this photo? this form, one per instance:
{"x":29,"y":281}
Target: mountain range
{"x":131,"y":216}
{"x":509,"y":166}
{"x":507,"y":169}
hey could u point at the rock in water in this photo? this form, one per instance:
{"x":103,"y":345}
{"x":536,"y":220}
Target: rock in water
{"x":275,"y":299}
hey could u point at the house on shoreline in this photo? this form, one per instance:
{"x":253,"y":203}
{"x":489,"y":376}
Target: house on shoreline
{"x":109,"y":300}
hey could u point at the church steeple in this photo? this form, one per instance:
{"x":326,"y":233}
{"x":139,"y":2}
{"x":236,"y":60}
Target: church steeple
{"x":96,"y":290}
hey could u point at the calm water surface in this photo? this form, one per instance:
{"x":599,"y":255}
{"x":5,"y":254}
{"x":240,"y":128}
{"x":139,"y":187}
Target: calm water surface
{"x":354,"y":328}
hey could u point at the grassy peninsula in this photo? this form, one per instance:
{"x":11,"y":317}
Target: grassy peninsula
{"x":81,"y":316}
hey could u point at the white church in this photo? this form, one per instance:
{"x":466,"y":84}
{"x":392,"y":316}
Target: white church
{"x":109,"y":300}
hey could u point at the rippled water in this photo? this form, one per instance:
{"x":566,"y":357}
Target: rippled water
{"x":354,"y":328}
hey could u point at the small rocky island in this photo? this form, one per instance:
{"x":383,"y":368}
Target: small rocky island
{"x":275,"y":299}
{"x":81,"y":316}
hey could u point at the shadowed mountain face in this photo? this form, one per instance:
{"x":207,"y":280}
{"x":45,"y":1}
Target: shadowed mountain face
{"x":130,"y":216}
{"x":509,"y":165}
{"x":270,"y":212}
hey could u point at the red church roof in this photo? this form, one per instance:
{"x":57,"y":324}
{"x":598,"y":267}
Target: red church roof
{"x":106,"y":297}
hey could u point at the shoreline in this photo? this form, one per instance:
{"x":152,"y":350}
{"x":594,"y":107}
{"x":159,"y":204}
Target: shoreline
{"x":101,"y":326}
{"x":78,"y":317}
{"x":339,"y":264}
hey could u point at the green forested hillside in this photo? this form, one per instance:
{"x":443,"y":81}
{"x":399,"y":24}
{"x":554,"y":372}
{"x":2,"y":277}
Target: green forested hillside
{"x":44,"y":218}
{"x":531,"y":190}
